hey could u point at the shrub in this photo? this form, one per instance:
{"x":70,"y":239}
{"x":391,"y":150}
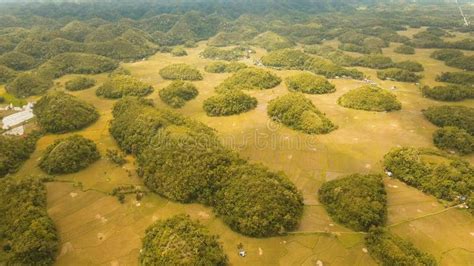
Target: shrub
{"x":449,"y":93}
{"x":466,"y":78}
{"x":178,"y":51}
{"x":17,"y":61}
{"x":6,"y":74}
{"x":374,"y":61}
{"x":309,"y":83}
{"x":456,"y":116}
{"x":356,"y":201}
{"x":446,"y":54}
{"x":455,"y":139}
{"x":389,"y":249}
{"x":178,"y":93}
{"x":118,"y":86}
{"x":180,"y":241}
{"x":28,"y":84}
{"x":14,"y":151}
{"x":250,"y":78}
{"x":299,"y":113}
{"x":271,"y":41}
{"x":120,"y":71}
{"x":223,"y":54}
{"x":69,"y":155}
{"x":221,"y":67}
{"x":286,"y":58}
{"x":435,"y":173}
{"x":26,"y":228}
{"x":410,"y":66}
{"x":59,"y":112}
{"x":79,"y":83}
{"x":180,"y":72}
{"x":370,"y":98}
{"x":115,"y":156}
{"x":398,"y":75}
{"x":229,"y":103}
{"x":404,"y":49}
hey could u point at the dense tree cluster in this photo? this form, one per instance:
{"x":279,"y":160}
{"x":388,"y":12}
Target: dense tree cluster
{"x":409,"y":65}
{"x":447,"y":178}
{"x":250,"y":78}
{"x":181,"y":241}
{"x":449,"y":93}
{"x":232,"y":54}
{"x":370,"y":98}
{"x":350,"y":47}
{"x":299,"y":113}
{"x":398,"y":74}
{"x":454,"y":58}
{"x":389,"y":249}
{"x":178,"y":93}
{"x":454,"y":139}
{"x":6,"y":74}
{"x":115,"y":156}
{"x":17,"y":61}
{"x":14,"y":151}
{"x":285,"y":58}
{"x":229,"y":103}
{"x":80,"y":83}
{"x":183,"y":160}
{"x":356,"y":201}
{"x":308,"y":83}
{"x":28,"y":236}
{"x":374,"y":61}
{"x":59,"y":112}
{"x":180,"y":72}
{"x":118,"y":86}
{"x":178,"y":51}
{"x":465,"y":77}
{"x":222,"y":67}
{"x":447,"y":115}
{"x":446,"y":54}
{"x":69,"y":155}
{"x":404,"y":49}
{"x":28,"y":84}
{"x":271,"y":41}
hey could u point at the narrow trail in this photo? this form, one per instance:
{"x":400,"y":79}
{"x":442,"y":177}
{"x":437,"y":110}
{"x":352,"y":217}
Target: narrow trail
{"x":466,"y":21}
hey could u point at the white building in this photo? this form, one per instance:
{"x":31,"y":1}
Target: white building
{"x":18,"y":118}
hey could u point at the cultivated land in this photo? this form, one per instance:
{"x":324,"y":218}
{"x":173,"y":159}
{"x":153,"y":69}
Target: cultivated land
{"x":96,"y":229}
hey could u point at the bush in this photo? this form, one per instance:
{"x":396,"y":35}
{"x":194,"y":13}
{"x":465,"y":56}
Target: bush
{"x":59,"y":113}
{"x":456,"y":116}
{"x":389,"y":249}
{"x":118,"y":86}
{"x":356,"y":201}
{"x":435,"y":173}
{"x":466,"y":78}
{"x":299,"y":113}
{"x":14,"y":151}
{"x":115,"y":156}
{"x":250,"y":78}
{"x":271,"y":41}
{"x":374,"y":61}
{"x":180,"y":72}
{"x":69,"y":155}
{"x":454,"y":139}
{"x":223,"y":54}
{"x":178,"y":51}
{"x":370,"y":98}
{"x":309,"y":83}
{"x":180,"y":241}
{"x":28,"y":84}
{"x":6,"y":74}
{"x":17,"y":61}
{"x":27,"y":230}
{"x":397,"y":74}
{"x":120,"y":71}
{"x":404,"y":49}
{"x":449,"y":93}
{"x":79,"y":83}
{"x":446,"y":54}
{"x":178,"y":93}
{"x":221,"y":67}
{"x":410,"y":66}
{"x":229,"y":103}
{"x":286,"y":58}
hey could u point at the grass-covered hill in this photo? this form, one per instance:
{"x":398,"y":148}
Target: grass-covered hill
{"x":356,"y":201}
{"x":285,"y":58}
{"x":308,"y":83}
{"x":6,"y":74}
{"x":69,"y":155}
{"x":370,"y":98}
{"x":222,"y":67}
{"x":272,"y":41}
{"x":229,"y":103}
{"x":210,"y":173}
{"x":181,"y":241}
{"x":14,"y":151}
{"x":118,"y":86}
{"x":299,"y":113}
{"x":178,"y":93}
{"x":28,"y":84}
{"x":180,"y":72}
{"x":59,"y":112}
{"x":250,"y":78}
{"x":232,"y":54}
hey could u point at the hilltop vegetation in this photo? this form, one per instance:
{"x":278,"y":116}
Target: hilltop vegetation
{"x":69,"y":155}
{"x":398,"y":74}
{"x":356,"y":201}
{"x":59,"y":112}
{"x":309,"y":83}
{"x":271,"y":41}
{"x":17,"y":61}
{"x":221,"y":67}
{"x":454,"y":58}
{"x":229,"y":103}
{"x":178,"y":93}
{"x":223,"y":54}
{"x":28,"y":84}
{"x":285,"y":58}
{"x":14,"y":151}
{"x":456,"y":116}
{"x":6,"y":74}
{"x":404,"y":49}
{"x":79,"y":83}
{"x":370,"y":98}
{"x":449,"y":93}
{"x":466,"y":78}
{"x":454,"y":139}
{"x":299,"y":113}
{"x":250,"y":78}
{"x":180,"y":72}
{"x":181,"y":241}
{"x":118,"y":86}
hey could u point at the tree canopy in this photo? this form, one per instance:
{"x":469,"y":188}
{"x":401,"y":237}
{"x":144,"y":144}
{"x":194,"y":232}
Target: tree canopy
{"x":222,"y":67}
{"x":180,"y":72}
{"x":454,"y":139}
{"x":178,"y":93}
{"x":370,"y":98}
{"x":449,"y":93}
{"x":250,"y":78}
{"x":229,"y":103}
{"x":28,"y":84}
{"x":398,"y":74}
{"x":118,"y":86}
{"x":14,"y":151}
{"x":450,"y":115}
{"x":80,"y":83}
{"x":308,"y":83}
